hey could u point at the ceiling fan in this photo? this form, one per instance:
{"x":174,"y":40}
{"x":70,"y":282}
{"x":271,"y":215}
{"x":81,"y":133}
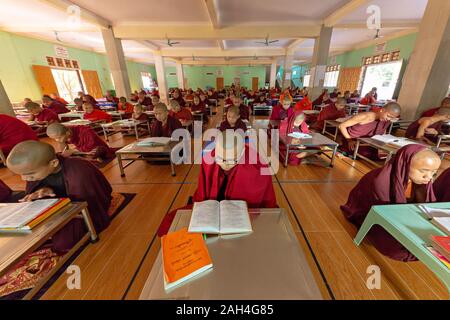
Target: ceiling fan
{"x":266,"y":41}
{"x":170,"y":43}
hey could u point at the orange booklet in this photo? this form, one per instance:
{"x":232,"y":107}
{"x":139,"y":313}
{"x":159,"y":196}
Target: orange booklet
{"x":185,"y":255}
{"x":442,"y":245}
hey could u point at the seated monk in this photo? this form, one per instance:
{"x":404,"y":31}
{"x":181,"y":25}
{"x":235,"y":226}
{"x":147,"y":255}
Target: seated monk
{"x":165,"y":124}
{"x":304,"y":104}
{"x":125,"y":106}
{"x":322,"y":99}
{"x":233,"y":120}
{"x":12,"y":132}
{"x":366,"y":125}
{"x":176,"y":95}
{"x":51,"y":175}
{"x":355,"y":94}
{"x":182,"y":114}
{"x":90,"y":99}
{"x":407,"y":178}
{"x":243,"y":109}
{"x":110,"y":98}
{"x":56,"y":106}
{"x":332,"y":111}
{"x":92,"y":114}
{"x":230,"y":177}
{"x":442,"y":187}
{"x":5,"y":192}
{"x":445,"y":104}
{"x":83,"y":137}
{"x":197,"y":105}
{"x":229,"y":100}
{"x":368,"y":99}
{"x":40,"y":115}
{"x":427,"y":129}
{"x":138,"y":113}
{"x":282,"y":110}
{"x":144,"y":100}
{"x":56,"y":97}
{"x":286,"y":95}
{"x":78,"y":104}
{"x":155,"y":101}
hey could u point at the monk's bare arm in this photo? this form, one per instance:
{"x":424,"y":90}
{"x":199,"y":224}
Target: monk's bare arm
{"x":359,"y":118}
{"x":427,"y":122}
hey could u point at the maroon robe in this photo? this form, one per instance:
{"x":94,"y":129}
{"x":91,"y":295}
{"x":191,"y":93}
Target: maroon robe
{"x":146,"y":102}
{"x":12,"y":132}
{"x":47,"y":115}
{"x":142,"y":117}
{"x":91,"y":100}
{"x":279,"y":113}
{"x":5,"y":192}
{"x":85,"y":140}
{"x":330,"y":112}
{"x":198,"y":107}
{"x":83,"y":182}
{"x":243,"y":182}
{"x":430,"y":113}
{"x":225,"y":125}
{"x":287,"y":127}
{"x":58,"y":107}
{"x":158,"y":130}
{"x":442,"y":187}
{"x":382,"y":186}
{"x":366,"y":131}
{"x":413,"y":128}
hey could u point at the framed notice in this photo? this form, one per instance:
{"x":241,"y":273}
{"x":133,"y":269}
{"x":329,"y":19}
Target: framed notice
{"x":61,"y":51}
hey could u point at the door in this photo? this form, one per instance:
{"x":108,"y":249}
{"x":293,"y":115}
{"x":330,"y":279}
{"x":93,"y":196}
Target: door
{"x":219,"y":83}
{"x":349,"y":79}
{"x":255,"y":83}
{"x":92,"y":83}
{"x":45,"y":79}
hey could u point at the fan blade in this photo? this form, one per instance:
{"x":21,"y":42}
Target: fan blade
{"x":273,"y":41}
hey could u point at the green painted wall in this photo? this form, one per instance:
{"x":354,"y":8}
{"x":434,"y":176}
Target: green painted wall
{"x":18,"y":54}
{"x":205,"y":76}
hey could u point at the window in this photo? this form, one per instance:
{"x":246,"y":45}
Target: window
{"x":147,"y":81}
{"x":384,"y":76}
{"x":68,"y":83}
{"x":306,"y":79}
{"x":331,"y":76}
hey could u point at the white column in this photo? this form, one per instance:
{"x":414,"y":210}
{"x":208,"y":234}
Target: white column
{"x":161,"y":77}
{"x":273,"y":74}
{"x":117,"y":63}
{"x":287,"y":68}
{"x":427,"y":76}
{"x":5,"y":103}
{"x":180,"y":75}
{"x":320,"y":61}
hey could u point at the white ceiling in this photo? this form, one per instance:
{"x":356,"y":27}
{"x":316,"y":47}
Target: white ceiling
{"x":38,"y":18}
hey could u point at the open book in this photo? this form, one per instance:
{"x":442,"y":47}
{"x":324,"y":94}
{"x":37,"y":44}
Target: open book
{"x":225,"y":217}
{"x":430,"y":213}
{"x":442,"y":223}
{"x":185,"y":256}
{"x":393,"y":140}
{"x":154,"y":142}
{"x":300,"y":135}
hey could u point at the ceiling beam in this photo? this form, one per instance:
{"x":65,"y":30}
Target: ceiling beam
{"x":207,"y":32}
{"x":214,"y":52}
{"x":149,"y":44}
{"x":342,"y":12}
{"x":294,"y":43}
{"x":213,"y":17}
{"x":86,"y":15}
{"x":246,"y":62}
{"x":403,"y":24}
{"x":221,"y":44}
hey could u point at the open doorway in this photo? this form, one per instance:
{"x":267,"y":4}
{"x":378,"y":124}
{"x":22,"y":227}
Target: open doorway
{"x":384,"y":76}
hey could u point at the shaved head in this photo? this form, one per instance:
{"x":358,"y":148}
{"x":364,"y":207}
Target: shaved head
{"x":234,"y":110}
{"x":160,"y":106}
{"x":32,"y":106}
{"x":393,"y":108}
{"x":424,"y":166}
{"x":56,"y":129}
{"x":341,"y":101}
{"x":31,"y":154}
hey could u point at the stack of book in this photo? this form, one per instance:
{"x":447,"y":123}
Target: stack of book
{"x":439,"y":217}
{"x":23,"y":217}
{"x":154,"y":142}
{"x":441,"y":249}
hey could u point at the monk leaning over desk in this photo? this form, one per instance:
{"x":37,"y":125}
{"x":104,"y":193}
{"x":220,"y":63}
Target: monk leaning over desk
{"x":229,"y":175}
{"x":407,"y":178}
{"x":48,"y":175}
{"x":12,"y":132}
{"x":40,"y":115}
{"x":366,"y":125}
{"x":332,"y":111}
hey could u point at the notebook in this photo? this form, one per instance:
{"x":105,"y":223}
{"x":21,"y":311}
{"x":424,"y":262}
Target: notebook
{"x":430,"y":213}
{"x":441,"y":258}
{"x":300,"y":135}
{"x":185,"y":256}
{"x":154,"y":142}
{"x":442,"y":223}
{"x":19,"y":217}
{"x":225,"y":217}
{"x":442,"y":245}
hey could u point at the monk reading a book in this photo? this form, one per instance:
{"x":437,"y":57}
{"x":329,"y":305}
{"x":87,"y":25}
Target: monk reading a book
{"x":442,"y":187}
{"x":165,"y":124}
{"x":230,"y":176}
{"x":407,"y":178}
{"x":93,"y":114}
{"x":445,"y":104}
{"x":233,"y":120}
{"x":54,"y":105}
{"x":85,"y":140}
{"x":366,"y":125}
{"x":40,"y":115}
{"x":332,"y":111}
{"x":50,"y":175}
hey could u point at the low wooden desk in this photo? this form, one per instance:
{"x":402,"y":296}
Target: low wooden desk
{"x":267,"y":264}
{"x":14,"y":247}
{"x":133,"y":152}
{"x":406,"y":224}
{"x":72,"y":114}
{"x":352,"y":109}
{"x":124,"y":126}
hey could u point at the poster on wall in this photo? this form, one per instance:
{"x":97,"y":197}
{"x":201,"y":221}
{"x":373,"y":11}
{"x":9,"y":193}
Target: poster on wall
{"x":61,"y":51}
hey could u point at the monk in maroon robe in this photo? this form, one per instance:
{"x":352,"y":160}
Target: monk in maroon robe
{"x":144,"y":100}
{"x":54,"y":105}
{"x":442,"y":187}
{"x":165,"y":124}
{"x":5,"y":192}
{"x":445,"y":104}
{"x":40,"y":115}
{"x":49,"y":175}
{"x":233,"y":120}
{"x":138,"y":113}
{"x":12,"y":132}
{"x":323,"y":98}
{"x":90,"y":99}
{"x":93,"y":114}
{"x":407,"y":178}
{"x":366,"y":125}
{"x":177,"y":96}
{"x":282,"y":110}
{"x":230,"y":176}
{"x":85,"y":140}
{"x":110,"y":98}
{"x":331,"y":112}
{"x":428,"y":128}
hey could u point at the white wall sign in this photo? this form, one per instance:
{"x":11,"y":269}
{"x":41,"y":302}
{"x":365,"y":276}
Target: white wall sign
{"x":61,"y":51}
{"x":380,"y":48}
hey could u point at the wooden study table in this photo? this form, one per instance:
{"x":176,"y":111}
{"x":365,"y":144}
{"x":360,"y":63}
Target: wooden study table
{"x":14,"y":247}
{"x":267,"y":264}
{"x":124,"y":126}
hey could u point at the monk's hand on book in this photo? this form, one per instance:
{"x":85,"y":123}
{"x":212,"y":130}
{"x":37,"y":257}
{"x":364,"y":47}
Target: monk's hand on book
{"x":39,"y":194}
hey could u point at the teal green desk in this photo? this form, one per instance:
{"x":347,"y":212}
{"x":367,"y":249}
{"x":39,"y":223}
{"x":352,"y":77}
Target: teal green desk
{"x":406,"y":224}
